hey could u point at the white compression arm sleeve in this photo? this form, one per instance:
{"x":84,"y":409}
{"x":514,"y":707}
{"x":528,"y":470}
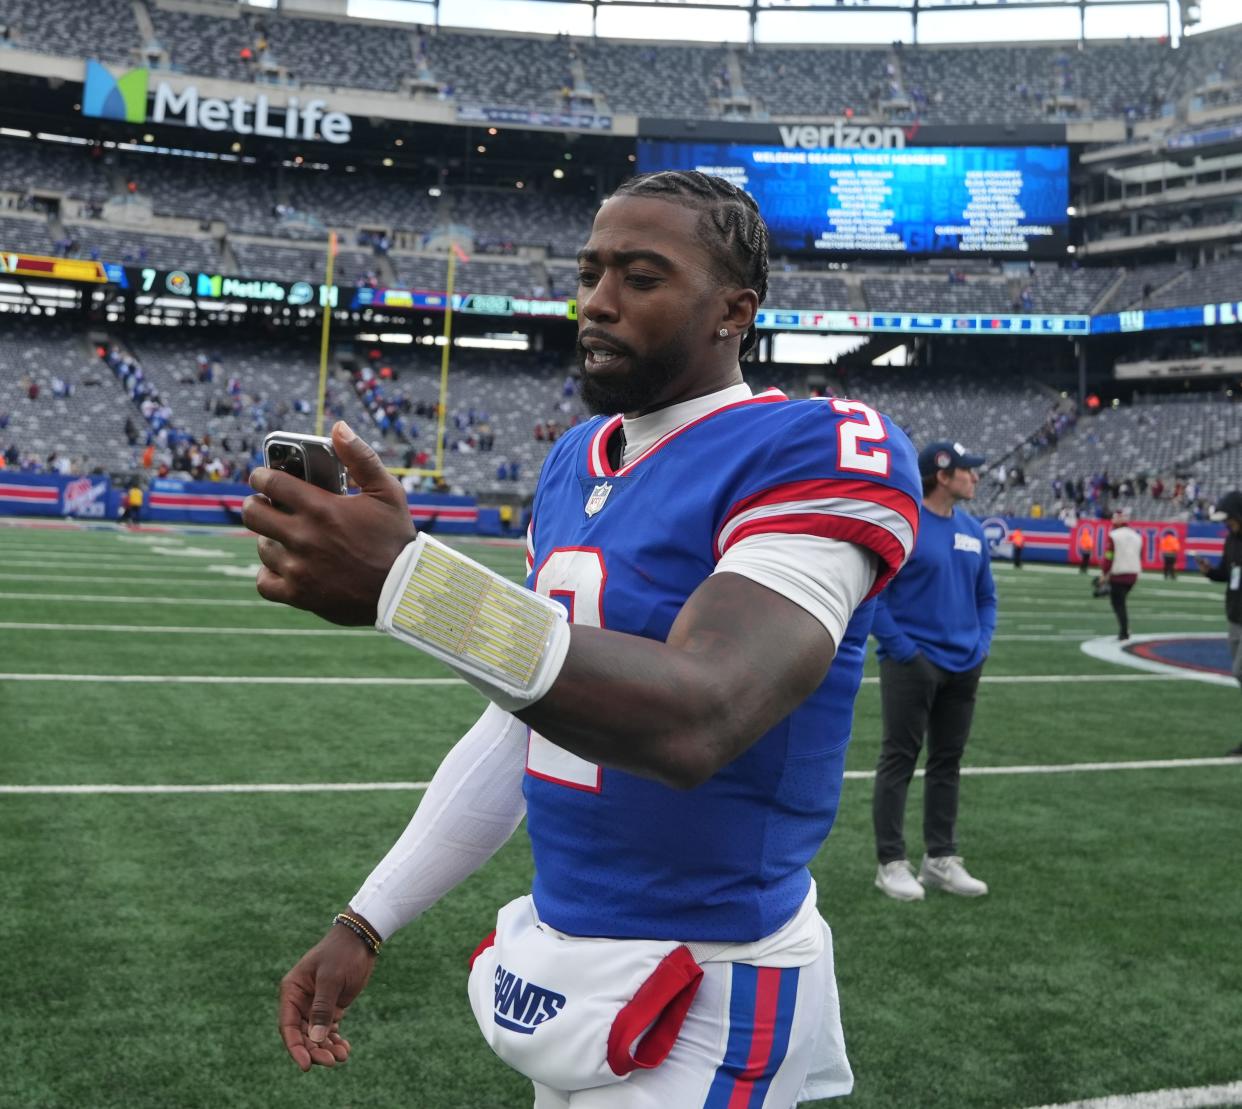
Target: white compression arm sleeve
{"x":471,"y":807}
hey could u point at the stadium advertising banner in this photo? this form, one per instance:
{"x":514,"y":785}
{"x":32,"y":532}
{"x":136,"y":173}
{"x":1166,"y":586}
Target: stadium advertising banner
{"x":1226,"y":314}
{"x":124,"y":97}
{"x":215,"y":286}
{"x":1008,"y":201}
{"x":777,"y":319}
{"x":475,"y":304}
{"x":1050,"y":540}
{"x":89,"y":498}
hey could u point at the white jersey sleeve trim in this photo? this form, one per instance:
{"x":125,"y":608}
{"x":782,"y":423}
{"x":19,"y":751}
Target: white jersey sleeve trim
{"x":828,"y":577}
{"x":471,"y":808}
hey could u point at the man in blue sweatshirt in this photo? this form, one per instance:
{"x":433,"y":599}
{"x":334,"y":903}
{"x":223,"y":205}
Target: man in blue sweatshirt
{"x":934,"y":626}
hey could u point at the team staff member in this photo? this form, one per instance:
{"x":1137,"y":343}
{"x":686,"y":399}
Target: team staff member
{"x":1086,"y":545}
{"x":1170,"y":548}
{"x":678,"y":747}
{"x":1123,"y":563}
{"x":934,"y":626}
{"x":1229,"y":570}
{"x":1017,"y":540}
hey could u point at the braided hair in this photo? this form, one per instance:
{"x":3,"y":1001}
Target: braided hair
{"x":730,"y":225}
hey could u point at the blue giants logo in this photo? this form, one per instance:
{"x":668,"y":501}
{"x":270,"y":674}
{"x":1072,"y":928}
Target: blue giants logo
{"x":523,"y":1006}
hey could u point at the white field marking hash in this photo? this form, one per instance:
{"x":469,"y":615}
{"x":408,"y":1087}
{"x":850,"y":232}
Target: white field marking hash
{"x":363,"y":787}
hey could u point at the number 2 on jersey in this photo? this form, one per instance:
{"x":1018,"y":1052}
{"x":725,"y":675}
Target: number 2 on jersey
{"x":850,"y":433}
{"x":574,"y":576}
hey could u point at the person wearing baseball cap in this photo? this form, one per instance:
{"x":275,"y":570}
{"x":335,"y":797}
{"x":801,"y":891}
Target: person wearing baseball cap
{"x":1229,"y":571}
{"x":933,"y":625}
{"x":1123,"y":563}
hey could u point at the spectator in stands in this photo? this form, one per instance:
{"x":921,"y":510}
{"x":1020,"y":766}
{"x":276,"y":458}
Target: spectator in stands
{"x":1229,"y":571}
{"x":1123,"y":563}
{"x":934,"y":628}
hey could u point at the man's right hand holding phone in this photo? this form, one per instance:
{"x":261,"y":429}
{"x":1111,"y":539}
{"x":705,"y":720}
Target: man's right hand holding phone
{"x":326,"y":553}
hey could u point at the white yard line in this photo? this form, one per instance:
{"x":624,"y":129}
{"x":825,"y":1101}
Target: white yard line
{"x":1188,"y":1097}
{"x":91,"y":599}
{"x":365,"y":787}
{"x":180,"y":629}
{"x":327,"y":679}
{"x":217,"y":579}
{"x":225,"y":679}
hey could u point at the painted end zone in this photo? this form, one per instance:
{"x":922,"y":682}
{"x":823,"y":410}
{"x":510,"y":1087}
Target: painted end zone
{"x":1202,"y":657}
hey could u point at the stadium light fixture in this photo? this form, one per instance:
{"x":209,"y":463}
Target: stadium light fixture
{"x":148,"y":137}
{"x":388,"y":161}
{"x":481,"y":148}
{"x":519,"y":184}
{"x":632,"y":157}
{"x":14,"y":132}
{"x":558,"y":173}
{"x":492,"y":131}
{"x":398,"y":142}
{"x":1071,"y":211}
{"x":567,"y":156}
{"x":433,"y":191}
{"x":236,"y":148}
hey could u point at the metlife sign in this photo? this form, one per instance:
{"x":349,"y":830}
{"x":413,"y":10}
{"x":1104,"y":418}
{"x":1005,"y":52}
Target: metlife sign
{"x":105,"y":96}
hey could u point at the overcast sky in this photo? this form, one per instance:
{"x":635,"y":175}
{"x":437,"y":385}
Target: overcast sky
{"x":1118,"y":20}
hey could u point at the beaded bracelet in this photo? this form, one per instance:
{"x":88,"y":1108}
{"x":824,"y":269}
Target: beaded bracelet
{"x":366,"y":935}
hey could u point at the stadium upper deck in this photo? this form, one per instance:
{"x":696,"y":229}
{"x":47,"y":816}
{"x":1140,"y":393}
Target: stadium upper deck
{"x":935,"y":84}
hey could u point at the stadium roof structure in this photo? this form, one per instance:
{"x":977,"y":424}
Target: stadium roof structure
{"x":1187,"y":11}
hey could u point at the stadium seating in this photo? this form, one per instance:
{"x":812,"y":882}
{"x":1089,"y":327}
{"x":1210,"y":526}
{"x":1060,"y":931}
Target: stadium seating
{"x":1215,"y":281}
{"x":937,"y":294}
{"x":86,"y":426}
{"x":989,"y":412}
{"x":103,"y":29}
{"x":144,"y":248}
{"x":1196,"y":437}
{"x":29,"y":233}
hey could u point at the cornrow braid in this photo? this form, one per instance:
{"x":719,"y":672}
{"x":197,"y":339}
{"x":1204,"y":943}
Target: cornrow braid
{"x":730,"y":226}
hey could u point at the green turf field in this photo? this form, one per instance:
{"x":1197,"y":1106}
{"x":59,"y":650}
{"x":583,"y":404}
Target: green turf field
{"x":145,"y":934}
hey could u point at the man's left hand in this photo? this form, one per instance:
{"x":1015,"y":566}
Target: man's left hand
{"x":324,"y":552}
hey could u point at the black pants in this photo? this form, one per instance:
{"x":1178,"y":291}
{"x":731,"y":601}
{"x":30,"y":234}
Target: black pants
{"x":1085,"y":563}
{"x":918,"y":700}
{"x":1170,"y":567}
{"x":1117,"y":591}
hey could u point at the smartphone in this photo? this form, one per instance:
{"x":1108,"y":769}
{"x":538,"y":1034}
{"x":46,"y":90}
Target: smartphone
{"x":309,"y":457}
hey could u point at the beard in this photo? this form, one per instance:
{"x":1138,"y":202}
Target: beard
{"x":638,"y":389}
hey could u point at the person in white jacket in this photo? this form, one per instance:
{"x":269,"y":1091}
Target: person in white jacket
{"x":1123,"y":563}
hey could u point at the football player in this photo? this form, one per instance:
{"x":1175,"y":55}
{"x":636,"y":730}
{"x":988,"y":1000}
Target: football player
{"x":671,"y":696}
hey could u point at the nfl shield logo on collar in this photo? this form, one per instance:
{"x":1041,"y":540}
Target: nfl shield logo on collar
{"x":597,"y":498}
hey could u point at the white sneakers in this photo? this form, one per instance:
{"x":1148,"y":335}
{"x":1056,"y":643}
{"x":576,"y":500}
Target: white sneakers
{"x":948,"y":874}
{"x":898,"y":881}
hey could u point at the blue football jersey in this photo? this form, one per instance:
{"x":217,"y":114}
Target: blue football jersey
{"x":623,"y":856}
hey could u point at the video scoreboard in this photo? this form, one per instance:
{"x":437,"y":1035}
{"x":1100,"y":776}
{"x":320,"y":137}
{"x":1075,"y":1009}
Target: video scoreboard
{"x":970,"y":201}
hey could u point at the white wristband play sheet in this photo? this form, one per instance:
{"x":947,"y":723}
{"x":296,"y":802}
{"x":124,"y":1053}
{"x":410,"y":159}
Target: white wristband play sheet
{"x":506,"y":641}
